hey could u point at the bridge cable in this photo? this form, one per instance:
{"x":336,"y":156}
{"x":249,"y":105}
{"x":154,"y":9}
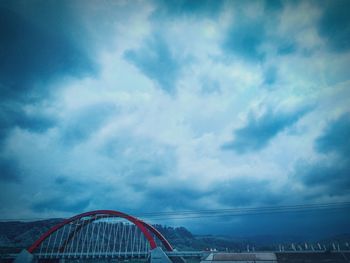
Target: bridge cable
{"x":47,"y":246}
{"x":66,"y":243}
{"x":40,"y":252}
{"x":127,"y":239}
{"x":139,"y":244}
{"x":84,"y":239}
{"x":80,"y":236}
{"x":91,"y":235}
{"x":110,"y":227}
{"x":75,"y":226}
{"x":115,"y":236}
{"x":121,"y":239}
{"x":63,"y":231}
{"x":97,"y":237}
{"x":103,"y":223}
{"x":54,"y":244}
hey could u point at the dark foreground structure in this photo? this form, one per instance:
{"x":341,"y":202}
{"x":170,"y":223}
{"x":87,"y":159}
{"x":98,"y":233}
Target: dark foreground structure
{"x":262,"y":257}
{"x":280,"y":257}
{"x":314,"y":257}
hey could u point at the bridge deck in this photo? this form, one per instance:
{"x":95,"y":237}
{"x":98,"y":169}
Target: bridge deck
{"x":119,"y":254}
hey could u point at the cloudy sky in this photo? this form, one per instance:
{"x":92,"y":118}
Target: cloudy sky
{"x":144,"y":106}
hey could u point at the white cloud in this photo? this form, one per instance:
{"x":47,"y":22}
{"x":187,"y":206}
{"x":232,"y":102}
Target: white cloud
{"x":181,"y":134}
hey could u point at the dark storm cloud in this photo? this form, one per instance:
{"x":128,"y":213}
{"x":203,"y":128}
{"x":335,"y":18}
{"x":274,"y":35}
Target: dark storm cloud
{"x":246,"y":36}
{"x":273,"y":5}
{"x":67,"y":195}
{"x":143,"y":177}
{"x":85,"y":122}
{"x":156,"y":61}
{"x":335,"y":137}
{"x":286,"y":47}
{"x":246,"y":191}
{"x":72,"y":192}
{"x":334,"y":24}
{"x":235,"y":192}
{"x":40,"y":42}
{"x":38,"y":45}
{"x":9,"y":171}
{"x":66,"y":185}
{"x":143,"y":169}
{"x":331,"y":174}
{"x":259,"y":131}
{"x":11,"y":115}
{"x":244,"y":40}
{"x":270,"y":76}
{"x":187,"y":8}
{"x":280,"y":227}
{"x":172,"y":197}
{"x":61,"y":204}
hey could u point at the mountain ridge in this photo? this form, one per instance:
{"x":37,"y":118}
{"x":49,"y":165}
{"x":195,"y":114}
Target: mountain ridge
{"x":16,"y":235}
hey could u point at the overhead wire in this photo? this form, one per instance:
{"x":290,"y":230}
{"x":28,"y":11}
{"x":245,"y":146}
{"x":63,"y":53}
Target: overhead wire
{"x":226,"y":212}
{"x":246,"y":211}
{"x":251,"y":209}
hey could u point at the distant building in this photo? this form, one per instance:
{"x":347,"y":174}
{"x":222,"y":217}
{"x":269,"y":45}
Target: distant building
{"x":241,"y":258}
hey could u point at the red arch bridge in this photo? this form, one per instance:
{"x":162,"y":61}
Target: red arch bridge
{"x":102,"y":234}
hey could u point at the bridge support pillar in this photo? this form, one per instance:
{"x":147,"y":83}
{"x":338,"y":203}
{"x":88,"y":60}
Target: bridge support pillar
{"x":158,"y":256}
{"x":24,"y":257}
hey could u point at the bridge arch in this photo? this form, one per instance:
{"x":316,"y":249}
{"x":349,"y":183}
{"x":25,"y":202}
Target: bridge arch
{"x":146,"y":229}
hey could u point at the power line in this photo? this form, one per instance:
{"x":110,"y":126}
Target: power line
{"x":176,"y":217}
{"x":242,"y":211}
{"x":250,"y":211}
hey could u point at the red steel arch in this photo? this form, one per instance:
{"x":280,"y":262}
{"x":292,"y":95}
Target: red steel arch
{"x":143,"y":226}
{"x":159,"y":235}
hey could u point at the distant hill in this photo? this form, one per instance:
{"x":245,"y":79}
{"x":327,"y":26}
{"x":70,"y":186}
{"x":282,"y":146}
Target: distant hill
{"x":14,"y":236}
